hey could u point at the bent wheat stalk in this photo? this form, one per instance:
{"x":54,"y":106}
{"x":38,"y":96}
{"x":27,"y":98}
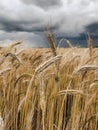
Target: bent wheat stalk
{"x":85,"y":67}
{"x":46,"y":64}
{"x":71,"y":92}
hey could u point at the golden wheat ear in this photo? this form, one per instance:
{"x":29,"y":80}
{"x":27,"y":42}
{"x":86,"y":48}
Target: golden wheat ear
{"x":52,"y":43}
{"x":90,"y":44}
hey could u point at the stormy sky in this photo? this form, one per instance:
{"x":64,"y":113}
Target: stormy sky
{"x":28,"y":20}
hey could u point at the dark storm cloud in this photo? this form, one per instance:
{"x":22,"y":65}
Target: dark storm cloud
{"x":92,"y":29}
{"x":24,"y":26}
{"x":45,"y":4}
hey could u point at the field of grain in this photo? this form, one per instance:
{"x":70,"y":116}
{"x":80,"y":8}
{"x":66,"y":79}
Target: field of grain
{"x":48,"y":89}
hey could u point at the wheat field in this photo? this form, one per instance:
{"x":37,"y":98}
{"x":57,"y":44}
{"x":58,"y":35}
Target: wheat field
{"x":49,"y":88}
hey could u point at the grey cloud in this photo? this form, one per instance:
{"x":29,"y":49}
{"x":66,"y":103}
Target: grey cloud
{"x":26,"y":19}
{"x":82,"y":2}
{"x":45,"y":4}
